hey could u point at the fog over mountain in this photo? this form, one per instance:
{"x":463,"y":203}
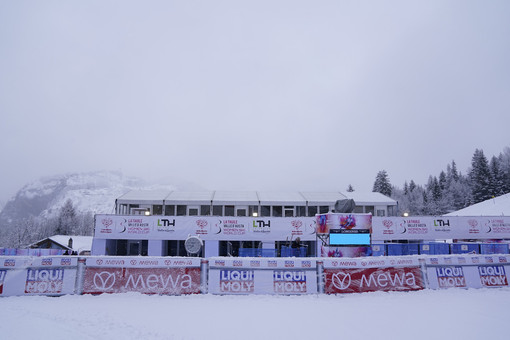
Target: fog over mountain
{"x":93,"y":192}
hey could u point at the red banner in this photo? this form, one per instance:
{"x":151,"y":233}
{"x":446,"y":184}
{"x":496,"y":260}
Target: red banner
{"x":372,"y":279}
{"x":172,"y":281}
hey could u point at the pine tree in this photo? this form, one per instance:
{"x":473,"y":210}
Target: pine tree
{"x":67,"y":220}
{"x":382,"y":183}
{"x":480,"y":177}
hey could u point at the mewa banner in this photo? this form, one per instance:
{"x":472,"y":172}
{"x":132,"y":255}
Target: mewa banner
{"x":441,"y":227}
{"x":207,"y":227}
{"x":169,"y":276}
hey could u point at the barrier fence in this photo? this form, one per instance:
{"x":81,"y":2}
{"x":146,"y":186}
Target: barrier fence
{"x":61,"y":275}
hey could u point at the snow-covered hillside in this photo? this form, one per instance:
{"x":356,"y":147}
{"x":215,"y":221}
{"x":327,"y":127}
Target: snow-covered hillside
{"x":93,"y":192}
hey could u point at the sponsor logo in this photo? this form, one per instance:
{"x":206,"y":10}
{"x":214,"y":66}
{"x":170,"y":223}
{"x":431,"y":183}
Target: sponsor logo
{"x":219,"y":263}
{"x":47,"y":262}
{"x":388,"y":227}
{"x":306,"y":264}
{"x":474,"y":228}
{"x":65,"y":262}
{"x":502,"y":259}
{"x":434,"y":260}
{"x":489,"y":259}
{"x":448,"y":277}
{"x":107,"y":223}
{"x":165,"y":225}
{"x":104,"y":280}
{"x":201,"y":227}
{"x":233,"y":227}
{"x":99,"y":262}
{"x":237,"y":263}
{"x":289,"y":282}
{"x":261,"y":226}
{"x":493,"y":276}
{"x":143,"y":280}
{"x":475,"y":260}
{"x":255,"y":263}
{"x":133,"y":262}
{"x":44,"y":281}
{"x":448,"y":260}
{"x":289,"y":264}
{"x":296,"y":227}
{"x":462,"y":260}
{"x":9,"y":263}
{"x":373,"y":279}
{"x":272,"y":263}
{"x":136,"y":226}
{"x":237,"y":281}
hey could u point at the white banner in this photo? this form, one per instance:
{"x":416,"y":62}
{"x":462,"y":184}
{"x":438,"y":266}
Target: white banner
{"x":207,"y":227}
{"x":141,"y":262}
{"x":37,"y":275}
{"x":440,"y":228}
{"x":370,"y":262}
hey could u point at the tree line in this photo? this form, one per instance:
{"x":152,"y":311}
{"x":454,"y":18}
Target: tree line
{"x":451,"y":190}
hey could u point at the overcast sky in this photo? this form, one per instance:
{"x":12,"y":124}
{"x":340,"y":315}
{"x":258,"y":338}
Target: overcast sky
{"x":252,"y":95}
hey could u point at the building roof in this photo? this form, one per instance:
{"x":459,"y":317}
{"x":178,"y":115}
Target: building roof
{"x":253,"y":197}
{"x":80,"y":243}
{"x":497,"y":206}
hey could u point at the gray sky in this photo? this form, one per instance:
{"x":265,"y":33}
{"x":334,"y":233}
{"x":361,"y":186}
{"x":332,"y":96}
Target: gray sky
{"x":252,"y":95}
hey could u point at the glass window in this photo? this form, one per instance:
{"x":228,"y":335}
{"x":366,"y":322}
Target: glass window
{"x":301,"y":211}
{"x":253,"y":210}
{"x":121,"y":247}
{"x":369,"y":209}
{"x":323,"y":209}
{"x":193,"y":212}
{"x":358,"y":209}
{"x":265,"y":210}
{"x":381,"y":212}
{"x":312,"y":211}
{"x":289,"y":211}
{"x":217,"y":210}
{"x":277,"y":211}
{"x":175,"y":248}
{"x":170,"y":210}
{"x":205,"y":210}
{"x":229,"y":210}
{"x":181,"y":210}
{"x":241,"y":212}
{"x":157,"y":209}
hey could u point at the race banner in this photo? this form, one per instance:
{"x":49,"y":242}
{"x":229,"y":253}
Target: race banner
{"x":262,"y":276}
{"x":440,"y":227}
{"x":38,"y":275}
{"x":478,"y":271}
{"x":169,"y":276}
{"x":207,"y":227}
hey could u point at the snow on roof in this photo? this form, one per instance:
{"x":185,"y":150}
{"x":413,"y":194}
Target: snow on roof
{"x":236,"y":197}
{"x":200,"y":197}
{"x":80,"y":243}
{"x":145,"y":195}
{"x":279,"y":197}
{"x":323,"y":197}
{"x":497,"y":206}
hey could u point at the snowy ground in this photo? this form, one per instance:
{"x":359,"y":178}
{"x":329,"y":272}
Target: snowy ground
{"x":444,"y":314}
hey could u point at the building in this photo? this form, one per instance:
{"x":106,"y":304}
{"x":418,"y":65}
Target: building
{"x":251,"y":222}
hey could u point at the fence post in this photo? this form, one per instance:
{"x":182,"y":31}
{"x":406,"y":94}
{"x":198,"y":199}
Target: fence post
{"x":80,"y":276}
{"x":320,"y":277}
{"x":204,"y":276}
{"x":424,"y":274}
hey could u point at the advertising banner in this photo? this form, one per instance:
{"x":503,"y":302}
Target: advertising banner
{"x":38,"y":275}
{"x":148,"y":275}
{"x":326,"y":222}
{"x":207,"y":227}
{"x":440,"y":227}
{"x":467,"y":271}
{"x":262,"y":276}
{"x":360,"y":280}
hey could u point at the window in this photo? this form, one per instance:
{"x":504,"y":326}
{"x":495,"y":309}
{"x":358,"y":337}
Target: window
{"x":358,"y":209}
{"x":241,"y":212}
{"x":205,"y":210}
{"x":181,"y":210}
{"x":265,"y":211}
{"x":193,"y":212}
{"x":277,"y":211}
{"x":131,"y":247}
{"x":253,"y":210}
{"x":175,"y":248}
{"x":229,"y":210}
{"x":157,"y":209}
{"x":170,"y":210}
{"x":369,"y":209}
{"x":323,"y":209}
{"x":381,"y":212}
{"x":217,"y":210}
{"x":312,"y":211}
{"x":301,"y":211}
{"x":289,"y":211}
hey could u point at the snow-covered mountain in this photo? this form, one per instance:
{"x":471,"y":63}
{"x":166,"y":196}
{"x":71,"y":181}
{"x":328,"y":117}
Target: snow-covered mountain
{"x":93,"y":192}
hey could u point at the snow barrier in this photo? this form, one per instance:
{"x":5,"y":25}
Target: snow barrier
{"x":60,"y":275}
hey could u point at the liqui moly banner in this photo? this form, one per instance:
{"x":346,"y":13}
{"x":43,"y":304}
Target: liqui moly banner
{"x":467,"y":271}
{"x":370,"y":275}
{"x":170,"y":276}
{"x":38,"y":275}
{"x":262,"y":276}
{"x":440,"y":227}
{"x":207,"y":227}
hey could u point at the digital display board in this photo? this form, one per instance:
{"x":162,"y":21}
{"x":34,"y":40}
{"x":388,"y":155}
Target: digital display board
{"x":349,"y":237}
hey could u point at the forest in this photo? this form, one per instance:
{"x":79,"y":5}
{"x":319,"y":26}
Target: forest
{"x":451,"y":190}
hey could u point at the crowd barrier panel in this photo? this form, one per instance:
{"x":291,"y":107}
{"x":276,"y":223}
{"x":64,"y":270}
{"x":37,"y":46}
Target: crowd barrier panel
{"x":51,"y":276}
{"x":60,"y":275}
{"x":289,"y":276}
